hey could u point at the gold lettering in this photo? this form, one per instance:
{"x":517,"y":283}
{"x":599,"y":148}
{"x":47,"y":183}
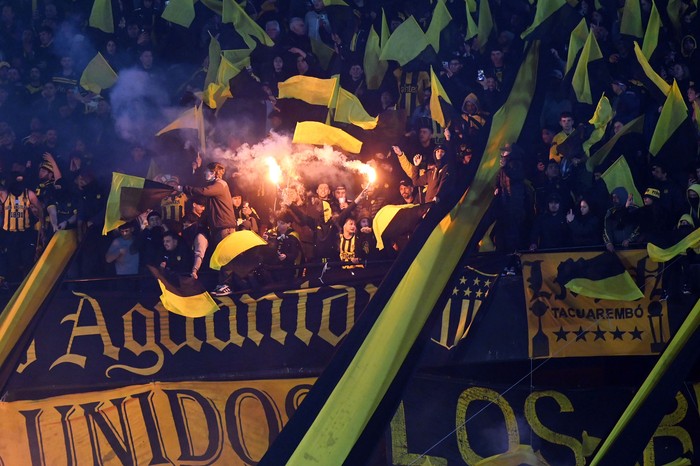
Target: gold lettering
{"x":399,"y":445}
{"x":325,"y":331}
{"x":302,"y":332}
{"x":234,"y":337}
{"x":31,"y":357}
{"x":491,"y":396}
{"x":165,"y":338}
{"x":138,"y":348}
{"x":547,"y":434}
{"x":668,"y":428}
{"x":251,"y":313}
{"x":85,"y":330}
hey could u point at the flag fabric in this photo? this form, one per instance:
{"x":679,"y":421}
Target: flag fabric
{"x":385,"y":32}
{"x":634,"y":126}
{"x":342,"y":402}
{"x":180,"y":12}
{"x":472,"y":28}
{"x":349,"y":109}
{"x":244,"y":24}
{"x":392,"y":221}
{"x":323,"y":52}
{"x":334,"y":3}
{"x":313,"y":132}
{"x":631,"y":23}
{"x":314,"y":91}
{"x":238,"y":56}
{"x":228,"y":70}
{"x":129,"y":196}
{"x":214,"y":60}
{"x":651,"y":34}
{"x":440,"y":103}
{"x":543,"y":12}
{"x":485,"y":26}
{"x":658,"y":254}
{"x":619,"y":174}
{"x":214,"y":95}
{"x":405,"y":43}
{"x":601,"y":117}
{"x":233,"y":246}
{"x":520,"y":454}
{"x":183,"y":294}
{"x":101,"y":16}
{"x":441,"y":18}
{"x":602,"y":277}
{"x":581,"y":81}
{"x":185,"y":121}
{"x":199,"y":121}
{"x":649,"y":73}
{"x":673,"y":114}
{"x":640,"y":419}
{"x":375,"y":69}
{"x":98,"y":75}
{"x":576,"y":42}
{"x":673,"y":9}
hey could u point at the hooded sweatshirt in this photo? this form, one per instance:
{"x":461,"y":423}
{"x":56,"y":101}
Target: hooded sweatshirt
{"x":693,"y":203}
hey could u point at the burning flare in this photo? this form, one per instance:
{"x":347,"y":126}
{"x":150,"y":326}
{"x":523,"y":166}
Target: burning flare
{"x":275,"y":170}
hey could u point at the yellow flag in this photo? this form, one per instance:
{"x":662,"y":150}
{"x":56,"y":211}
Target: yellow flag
{"x":101,"y":16}
{"x":311,"y":90}
{"x":228,"y":70}
{"x":375,"y":69}
{"x":521,"y":454}
{"x":673,"y":8}
{"x":471,"y":6}
{"x":385,"y":32}
{"x":199,"y":121}
{"x":658,"y":254}
{"x":634,"y":126}
{"x":649,"y":71}
{"x":323,"y":52}
{"x":581,"y":82}
{"x":437,"y":92}
{"x":619,"y":174}
{"x":544,"y":10}
{"x":406,"y":43}
{"x":244,"y":24}
{"x":441,"y":18}
{"x":179,"y":12}
{"x":313,"y":132}
{"x":651,"y":35}
{"x":384,"y":217}
{"x":602,"y":116}
{"x":349,"y":109}
{"x":485,"y":24}
{"x":631,"y":23}
{"x":472,"y":29}
{"x":673,"y":113}
{"x":98,"y":75}
{"x":185,"y":120}
{"x":214,"y":95}
{"x":334,"y":2}
{"x":214,"y":61}
{"x":234,"y":245}
{"x":576,"y":41}
{"x":113,"y":216}
{"x":237,"y":55}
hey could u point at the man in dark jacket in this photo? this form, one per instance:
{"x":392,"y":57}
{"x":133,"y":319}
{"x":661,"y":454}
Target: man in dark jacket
{"x":219,"y":215}
{"x":435,"y":177}
{"x":550,"y":230}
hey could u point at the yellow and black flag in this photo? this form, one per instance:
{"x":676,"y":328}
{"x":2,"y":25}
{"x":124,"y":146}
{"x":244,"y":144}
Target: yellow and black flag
{"x":635,"y":126}
{"x":602,"y":277}
{"x":393,"y":222}
{"x":314,"y":132}
{"x":665,"y":254}
{"x":182,"y":294}
{"x":243,"y":249}
{"x":440,"y":104}
{"x":129,"y":197}
{"x":549,"y":15}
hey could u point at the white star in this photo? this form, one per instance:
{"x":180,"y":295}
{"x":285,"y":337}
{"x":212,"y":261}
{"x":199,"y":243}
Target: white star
{"x":455,"y":291}
{"x":477,"y":281}
{"x":479,"y":293}
{"x":487,"y":283}
{"x":463,"y":280}
{"x":468,"y":292}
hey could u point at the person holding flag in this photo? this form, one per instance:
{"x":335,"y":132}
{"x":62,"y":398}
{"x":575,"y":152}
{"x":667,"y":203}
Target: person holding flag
{"x":219,"y":215}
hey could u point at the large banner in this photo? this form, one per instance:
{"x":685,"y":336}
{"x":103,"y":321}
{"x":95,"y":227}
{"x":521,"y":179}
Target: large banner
{"x":99,"y":338}
{"x":195,"y":423}
{"x":450,"y":422}
{"x":564,"y":324}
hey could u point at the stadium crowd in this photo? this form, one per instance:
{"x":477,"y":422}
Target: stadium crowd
{"x":60,"y":143}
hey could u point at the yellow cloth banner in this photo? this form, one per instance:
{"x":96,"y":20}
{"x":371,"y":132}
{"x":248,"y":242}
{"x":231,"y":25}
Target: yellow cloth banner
{"x":634,"y":126}
{"x":375,"y":69}
{"x":485,"y":24}
{"x":631,"y":23}
{"x":185,"y":121}
{"x":313,"y":132}
{"x":98,"y":75}
{"x":673,"y":113}
{"x":323,"y":52}
{"x":619,"y":174}
{"x":112,"y":213}
{"x":649,"y":71}
{"x":564,"y":324}
{"x":601,"y":117}
{"x":651,"y":35}
{"x":349,"y":109}
{"x":314,"y":91}
{"x":581,"y":81}
{"x":244,"y":24}
{"x":405,"y":43}
{"x":234,"y":244}
{"x":195,"y":306}
{"x":101,"y":16}
{"x":383,"y":218}
{"x":542,"y":13}
{"x":658,"y":254}
{"x":576,"y":42}
{"x":441,"y":18}
{"x":180,"y":12}
{"x":472,"y":28}
{"x":435,"y":106}
{"x":214,"y":61}
{"x":190,"y":422}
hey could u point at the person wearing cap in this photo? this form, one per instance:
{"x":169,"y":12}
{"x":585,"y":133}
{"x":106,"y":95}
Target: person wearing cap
{"x":407,"y":192}
{"x":651,"y":217}
{"x":625,"y":104}
{"x":672,"y":199}
{"x":435,"y":177}
{"x":549,"y":230}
